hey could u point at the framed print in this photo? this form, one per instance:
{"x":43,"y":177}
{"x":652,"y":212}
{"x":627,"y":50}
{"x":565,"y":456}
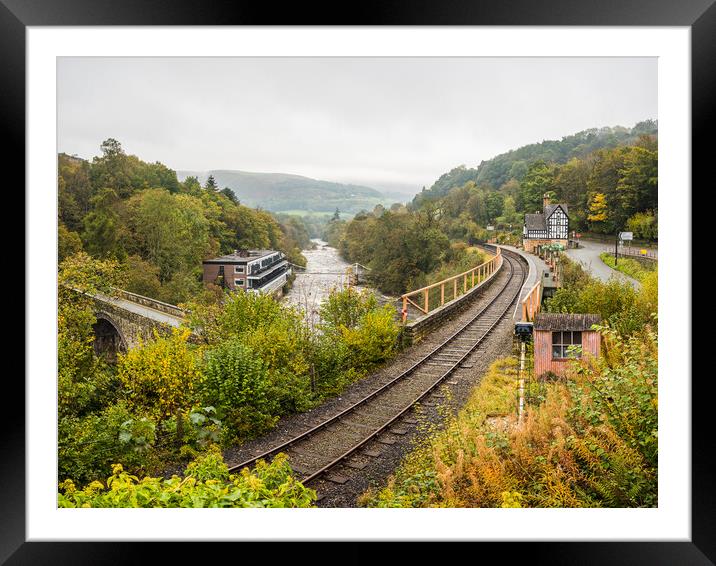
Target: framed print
{"x":293,"y":278}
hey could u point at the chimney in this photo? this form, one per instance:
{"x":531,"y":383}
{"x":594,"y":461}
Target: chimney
{"x":545,"y":200}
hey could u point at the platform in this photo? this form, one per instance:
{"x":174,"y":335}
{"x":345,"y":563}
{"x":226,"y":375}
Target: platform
{"x":537,"y":268}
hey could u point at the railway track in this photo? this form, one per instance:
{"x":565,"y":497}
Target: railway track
{"x":343,"y":441}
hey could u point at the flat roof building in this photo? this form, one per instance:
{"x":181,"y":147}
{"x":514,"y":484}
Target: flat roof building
{"x":257,"y":271}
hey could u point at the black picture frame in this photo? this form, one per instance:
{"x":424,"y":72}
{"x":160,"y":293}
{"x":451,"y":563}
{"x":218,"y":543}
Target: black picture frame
{"x":16,"y":15}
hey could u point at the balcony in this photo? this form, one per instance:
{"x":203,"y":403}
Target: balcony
{"x":259,"y":274}
{"x":271,"y":280}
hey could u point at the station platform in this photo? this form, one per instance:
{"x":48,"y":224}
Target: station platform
{"x":537,"y":268}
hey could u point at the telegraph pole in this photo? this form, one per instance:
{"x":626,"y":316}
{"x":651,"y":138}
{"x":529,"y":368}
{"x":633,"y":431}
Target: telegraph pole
{"x":521,"y":410}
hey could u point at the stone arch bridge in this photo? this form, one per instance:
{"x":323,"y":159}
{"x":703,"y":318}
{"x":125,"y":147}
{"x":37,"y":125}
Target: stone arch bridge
{"x":125,"y":319}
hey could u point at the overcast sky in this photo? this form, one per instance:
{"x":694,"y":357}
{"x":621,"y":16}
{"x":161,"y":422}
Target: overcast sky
{"x":385,"y":122}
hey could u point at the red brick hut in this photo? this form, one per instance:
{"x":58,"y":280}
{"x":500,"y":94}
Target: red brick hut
{"x":554,"y":333}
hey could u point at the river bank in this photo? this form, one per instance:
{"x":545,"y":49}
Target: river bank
{"x":325,"y":271}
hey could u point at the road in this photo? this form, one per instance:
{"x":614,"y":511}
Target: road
{"x":588,"y":256}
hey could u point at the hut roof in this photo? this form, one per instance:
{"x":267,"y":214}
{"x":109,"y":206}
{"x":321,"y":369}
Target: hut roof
{"x":565,"y":321}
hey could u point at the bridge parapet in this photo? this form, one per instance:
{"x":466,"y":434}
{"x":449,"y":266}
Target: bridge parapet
{"x":160,"y":306}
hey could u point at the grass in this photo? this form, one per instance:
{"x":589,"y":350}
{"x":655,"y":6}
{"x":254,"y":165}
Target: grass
{"x":631,"y":267}
{"x":423,"y":478}
{"x":587,"y":441}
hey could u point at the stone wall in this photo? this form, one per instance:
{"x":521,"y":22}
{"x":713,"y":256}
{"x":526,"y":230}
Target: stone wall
{"x":130,"y":326}
{"x":416,"y":330}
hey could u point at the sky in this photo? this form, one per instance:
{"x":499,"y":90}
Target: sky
{"x":394,"y":124}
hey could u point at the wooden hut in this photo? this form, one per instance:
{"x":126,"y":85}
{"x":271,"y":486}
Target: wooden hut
{"x":560,"y":338}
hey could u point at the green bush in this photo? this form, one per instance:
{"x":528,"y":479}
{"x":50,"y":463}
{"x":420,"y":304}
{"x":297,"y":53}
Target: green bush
{"x":631,"y":267}
{"x":206,"y":483}
{"x":373,"y":341}
{"x":625,"y":309}
{"x":236,"y":383}
{"x":346,"y":308}
{"x":644,"y":225}
{"x":88,"y":445}
{"x":366,"y":332}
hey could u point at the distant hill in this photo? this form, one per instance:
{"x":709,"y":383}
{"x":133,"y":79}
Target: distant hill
{"x":282,"y":192}
{"x":514,"y":164}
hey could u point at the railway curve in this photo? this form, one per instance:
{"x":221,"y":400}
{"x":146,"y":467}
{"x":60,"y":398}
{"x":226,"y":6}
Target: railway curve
{"x":342,"y":444}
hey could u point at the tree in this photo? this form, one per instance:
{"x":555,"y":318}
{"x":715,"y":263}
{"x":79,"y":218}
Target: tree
{"x":172,"y":229}
{"x":102,"y":234}
{"x":228,"y":193}
{"x":111,"y":148}
{"x":192,"y":186}
{"x":598,"y":212}
{"x":211,"y":185}
{"x":160,"y":376}
{"x":638,"y":184}
{"x":644,"y":225}
{"x":538,"y":180}
{"x":78,"y":369}
{"x":68,"y":243}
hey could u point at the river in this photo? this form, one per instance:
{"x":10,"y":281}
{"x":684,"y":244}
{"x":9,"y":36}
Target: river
{"x":325,"y":270}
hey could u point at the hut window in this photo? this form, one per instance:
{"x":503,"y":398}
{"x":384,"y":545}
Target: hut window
{"x":561,"y":342}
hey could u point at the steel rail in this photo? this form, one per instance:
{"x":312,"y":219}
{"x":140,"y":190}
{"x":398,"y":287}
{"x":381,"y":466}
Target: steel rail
{"x":306,"y":434}
{"x":410,"y":405}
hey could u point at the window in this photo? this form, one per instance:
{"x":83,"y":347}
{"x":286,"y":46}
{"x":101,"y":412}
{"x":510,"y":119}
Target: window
{"x":239,"y":269}
{"x":561,"y":342}
{"x":239,"y":282}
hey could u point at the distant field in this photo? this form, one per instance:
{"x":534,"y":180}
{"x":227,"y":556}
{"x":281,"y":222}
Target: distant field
{"x":314,"y":213}
{"x":293,"y":194}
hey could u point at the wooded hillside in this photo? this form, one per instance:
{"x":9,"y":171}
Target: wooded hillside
{"x":160,"y":229}
{"x":280,"y":192}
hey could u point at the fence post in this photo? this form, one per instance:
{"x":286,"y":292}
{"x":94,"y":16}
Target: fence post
{"x":454,"y":288}
{"x":405,"y":308}
{"x":427,"y":305}
{"x":442,"y":294}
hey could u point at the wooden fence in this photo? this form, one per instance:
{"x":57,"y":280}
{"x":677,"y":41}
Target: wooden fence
{"x":531,"y":303}
{"x":450,"y":288}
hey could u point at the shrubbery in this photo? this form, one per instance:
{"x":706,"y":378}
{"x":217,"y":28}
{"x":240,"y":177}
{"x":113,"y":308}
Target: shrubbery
{"x":592,"y":442}
{"x":637,"y":269}
{"x":626,"y":309}
{"x":160,"y":376}
{"x":587,"y":441}
{"x":206,"y":483}
{"x":168,"y":398}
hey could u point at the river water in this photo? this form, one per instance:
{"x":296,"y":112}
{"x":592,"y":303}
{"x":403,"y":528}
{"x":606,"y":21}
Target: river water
{"x":325,"y":270}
